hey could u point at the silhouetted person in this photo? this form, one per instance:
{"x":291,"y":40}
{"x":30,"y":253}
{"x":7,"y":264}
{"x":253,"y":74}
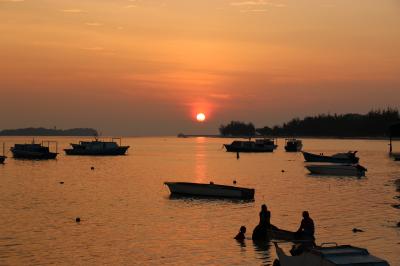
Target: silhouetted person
{"x":265,"y":216}
{"x":240,"y":236}
{"x":306,"y":229}
{"x":260,"y":232}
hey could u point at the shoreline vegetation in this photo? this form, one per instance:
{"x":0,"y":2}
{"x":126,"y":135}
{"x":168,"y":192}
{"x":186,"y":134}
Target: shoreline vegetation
{"x":373,"y":125}
{"x":40,"y":131}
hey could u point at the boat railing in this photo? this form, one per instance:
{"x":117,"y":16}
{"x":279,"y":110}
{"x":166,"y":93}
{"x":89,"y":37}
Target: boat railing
{"x":46,"y":143}
{"x":118,"y":139}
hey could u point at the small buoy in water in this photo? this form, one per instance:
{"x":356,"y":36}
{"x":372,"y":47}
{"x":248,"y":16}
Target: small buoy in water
{"x":237,"y":155}
{"x":92,"y":168}
{"x":356,"y":230}
{"x":77,"y":219}
{"x":398,"y":224}
{"x":283,"y":171}
{"x":211,"y":183}
{"x":61,"y":182}
{"x":234,"y":182}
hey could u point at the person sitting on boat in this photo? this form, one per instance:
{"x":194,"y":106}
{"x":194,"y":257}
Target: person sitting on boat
{"x":265,"y":216}
{"x":260,"y":232}
{"x":306,"y":229}
{"x":240,"y":236}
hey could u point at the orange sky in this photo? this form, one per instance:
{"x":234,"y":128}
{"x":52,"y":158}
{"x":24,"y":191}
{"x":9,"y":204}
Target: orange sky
{"x":147,"y":66}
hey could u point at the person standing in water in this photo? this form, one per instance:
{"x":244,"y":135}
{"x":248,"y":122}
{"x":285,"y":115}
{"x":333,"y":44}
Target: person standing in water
{"x":240,"y":236}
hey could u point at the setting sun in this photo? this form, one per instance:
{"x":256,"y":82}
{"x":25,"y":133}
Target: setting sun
{"x":201,"y":117}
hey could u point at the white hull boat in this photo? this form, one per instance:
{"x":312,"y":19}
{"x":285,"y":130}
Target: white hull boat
{"x":209,"y":190}
{"x":344,"y":255}
{"x":337,"y":170}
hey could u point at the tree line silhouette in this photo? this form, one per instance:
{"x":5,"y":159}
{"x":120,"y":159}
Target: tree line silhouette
{"x":373,"y":124}
{"x":31,"y":131}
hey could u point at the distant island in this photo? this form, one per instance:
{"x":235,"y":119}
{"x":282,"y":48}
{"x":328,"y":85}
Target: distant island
{"x":375,"y":123}
{"x":40,"y":131}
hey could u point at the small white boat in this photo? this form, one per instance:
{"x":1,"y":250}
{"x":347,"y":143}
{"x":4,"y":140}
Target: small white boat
{"x":330,"y":256}
{"x":337,"y":169}
{"x":209,"y":190}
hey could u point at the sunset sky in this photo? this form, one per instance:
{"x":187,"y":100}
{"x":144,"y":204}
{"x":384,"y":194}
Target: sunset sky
{"x":149,"y":66}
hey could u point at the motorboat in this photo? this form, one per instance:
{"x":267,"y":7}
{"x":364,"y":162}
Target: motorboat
{"x":337,"y":169}
{"x":345,"y":157}
{"x":210,"y":190}
{"x":34,"y":151}
{"x":293,"y":145}
{"x":259,"y":145}
{"x":97,"y":147}
{"x":329,"y":254}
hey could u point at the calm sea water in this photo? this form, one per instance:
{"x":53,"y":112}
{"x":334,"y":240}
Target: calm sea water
{"x":128,"y":217}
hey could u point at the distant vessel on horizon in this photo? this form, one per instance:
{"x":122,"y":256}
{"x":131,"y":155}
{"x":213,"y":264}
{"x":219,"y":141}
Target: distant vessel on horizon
{"x":259,"y":145}
{"x":293,"y":145}
{"x":33,"y":151}
{"x":97,"y":148}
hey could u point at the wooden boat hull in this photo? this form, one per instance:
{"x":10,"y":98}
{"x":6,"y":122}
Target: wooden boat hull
{"x":209,"y":190}
{"x":233,"y":148}
{"x":33,"y":155}
{"x":121,"y":150}
{"x":336,"y":170}
{"x":310,"y":157}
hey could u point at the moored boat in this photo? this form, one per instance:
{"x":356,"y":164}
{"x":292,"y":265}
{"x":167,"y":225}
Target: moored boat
{"x":345,"y":157}
{"x":337,"y":169}
{"x":259,"y":145}
{"x":334,"y":255}
{"x":97,"y":148}
{"x":293,"y":145}
{"x":210,"y":190}
{"x":33,"y":151}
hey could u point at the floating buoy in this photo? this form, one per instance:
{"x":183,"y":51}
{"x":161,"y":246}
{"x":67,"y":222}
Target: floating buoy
{"x":211,"y":183}
{"x":398,"y":224}
{"x":234,"y":182}
{"x":61,"y":182}
{"x":237,"y":155}
{"x":77,"y":219}
{"x":92,"y":168}
{"x":356,"y":230}
{"x":282,"y":171}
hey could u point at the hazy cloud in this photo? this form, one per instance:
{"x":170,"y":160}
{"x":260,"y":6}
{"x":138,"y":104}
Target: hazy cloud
{"x":93,"y":24}
{"x":95,"y":48}
{"x":72,"y":10}
{"x":257,"y":3}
